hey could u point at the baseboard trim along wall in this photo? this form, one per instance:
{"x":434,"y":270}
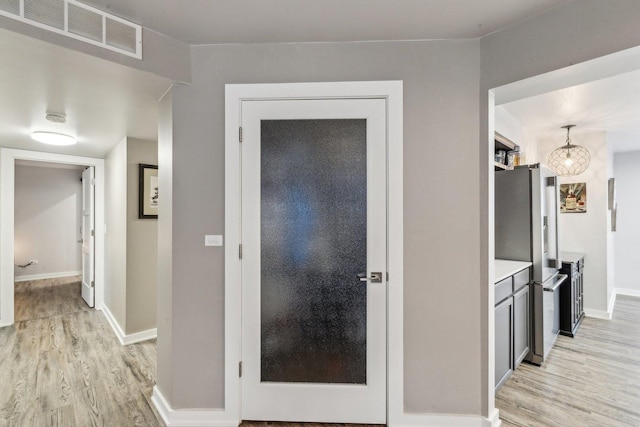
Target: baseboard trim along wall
{"x":599,"y":314}
{"x":628,"y":292}
{"x":191,"y":417}
{"x":219,"y":417}
{"x":444,"y":420}
{"x":47,"y":276}
{"x":124,"y":338}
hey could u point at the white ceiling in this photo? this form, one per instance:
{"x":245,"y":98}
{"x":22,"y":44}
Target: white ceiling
{"x":104,"y":102}
{"x":611,"y":105}
{"x":264,"y":21}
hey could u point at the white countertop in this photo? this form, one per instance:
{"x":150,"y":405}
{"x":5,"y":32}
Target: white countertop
{"x":505,"y":268}
{"x":571,"y":257}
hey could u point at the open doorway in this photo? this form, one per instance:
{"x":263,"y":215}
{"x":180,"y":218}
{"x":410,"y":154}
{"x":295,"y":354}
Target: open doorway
{"x":15,"y":221}
{"x":53,"y":245}
{"x":596,"y":96}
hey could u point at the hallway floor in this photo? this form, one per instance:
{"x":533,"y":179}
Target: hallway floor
{"x":35,"y":299}
{"x":62,"y":365}
{"x":590,"y":380}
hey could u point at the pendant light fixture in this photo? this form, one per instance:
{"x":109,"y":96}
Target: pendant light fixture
{"x":570,"y":159}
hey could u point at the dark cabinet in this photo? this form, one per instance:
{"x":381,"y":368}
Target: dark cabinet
{"x":512,"y":324}
{"x":571,"y":293}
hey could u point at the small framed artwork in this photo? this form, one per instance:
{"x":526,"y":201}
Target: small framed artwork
{"x":573,"y":197}
{"x":148,"y":191}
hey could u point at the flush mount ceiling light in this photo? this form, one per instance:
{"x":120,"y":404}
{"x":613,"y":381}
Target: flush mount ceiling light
{"x":570,"y":159}
{"x":53,"y":138}
{"x":56,"y":117}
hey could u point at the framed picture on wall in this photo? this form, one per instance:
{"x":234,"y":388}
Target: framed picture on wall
{"x":148,"y":191}
{"x":573,"y":197}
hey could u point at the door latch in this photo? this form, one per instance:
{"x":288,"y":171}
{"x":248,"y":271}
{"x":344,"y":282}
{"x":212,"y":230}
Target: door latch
{"x":376,"y":277}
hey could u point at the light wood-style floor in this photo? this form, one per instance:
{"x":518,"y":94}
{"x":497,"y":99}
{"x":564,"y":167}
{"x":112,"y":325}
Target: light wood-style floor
{"x":590,"y":380}
{"x":35,"y":299}
{"x":65,"y":367}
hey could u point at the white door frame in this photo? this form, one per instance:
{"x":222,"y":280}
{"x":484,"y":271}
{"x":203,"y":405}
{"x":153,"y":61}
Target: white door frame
{"x":8,"y":156}
{"x":391,"y":91}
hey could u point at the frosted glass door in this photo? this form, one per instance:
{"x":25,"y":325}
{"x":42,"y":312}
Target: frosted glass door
{"x":314,"y":225}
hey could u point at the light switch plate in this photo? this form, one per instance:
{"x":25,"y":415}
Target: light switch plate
{"x":213,"y":240}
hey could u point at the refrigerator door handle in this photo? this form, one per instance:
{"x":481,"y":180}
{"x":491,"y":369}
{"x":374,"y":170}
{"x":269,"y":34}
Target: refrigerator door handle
{"x":558,"y":280}
{"x":552,"y":181}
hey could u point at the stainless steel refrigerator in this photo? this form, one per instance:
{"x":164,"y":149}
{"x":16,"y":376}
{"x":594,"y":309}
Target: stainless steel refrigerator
{"x":526,"y":229}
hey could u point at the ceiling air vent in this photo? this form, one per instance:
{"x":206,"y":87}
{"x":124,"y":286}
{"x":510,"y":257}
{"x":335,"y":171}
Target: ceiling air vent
{"x":120,"y":35}
{"x":84,"y":22}
{"x":78,"y":21}
{"x":47,"y":12}
{"x":11,"y":7}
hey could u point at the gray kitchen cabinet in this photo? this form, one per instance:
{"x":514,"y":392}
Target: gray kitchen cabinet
{"x":521,"y":324}
{"x":504,"y":341}
{"x":512,"y":323}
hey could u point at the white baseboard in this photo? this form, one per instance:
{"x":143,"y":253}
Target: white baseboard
{"x":628,"y":292}
{"x":47,"y":276}
{"x":122,"y":337}
{"x":191,"y":417}
{"x":597,"y":314}
{"x":3,"y":323}
{"x":219,"y":418}
{"x":605,"y":315}
{"x":612,"y":304}
{"x":444,"y":420}
{"x":494,"y":418}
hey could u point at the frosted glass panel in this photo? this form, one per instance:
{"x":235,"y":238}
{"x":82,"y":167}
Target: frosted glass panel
{"x":313,"y":245}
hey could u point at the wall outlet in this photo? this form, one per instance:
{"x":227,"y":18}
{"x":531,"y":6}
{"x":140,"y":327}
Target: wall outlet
{"x":33,"y":261}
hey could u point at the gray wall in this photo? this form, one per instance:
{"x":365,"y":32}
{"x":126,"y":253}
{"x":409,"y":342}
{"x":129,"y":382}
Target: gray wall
{"x":131,"y":243}
{"x":627,"y":174}
{"x":48,"y":216}
{"x":442,"y":372}
{"x":115,"y":290}
{"x":142,"y":244}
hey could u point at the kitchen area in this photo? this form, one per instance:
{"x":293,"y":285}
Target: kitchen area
{"x":566,"y":349}
{"x":538,"y":288}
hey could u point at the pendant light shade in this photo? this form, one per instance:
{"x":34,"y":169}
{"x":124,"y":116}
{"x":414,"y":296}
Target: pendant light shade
{"x":570,"y":159}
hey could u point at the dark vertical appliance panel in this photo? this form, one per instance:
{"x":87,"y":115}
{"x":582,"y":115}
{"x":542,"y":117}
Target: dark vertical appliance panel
{"x":513,"y":215}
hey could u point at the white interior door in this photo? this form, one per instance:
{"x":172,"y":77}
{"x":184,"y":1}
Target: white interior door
{"x":313,"y":238}
{"x":88,"y":236}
